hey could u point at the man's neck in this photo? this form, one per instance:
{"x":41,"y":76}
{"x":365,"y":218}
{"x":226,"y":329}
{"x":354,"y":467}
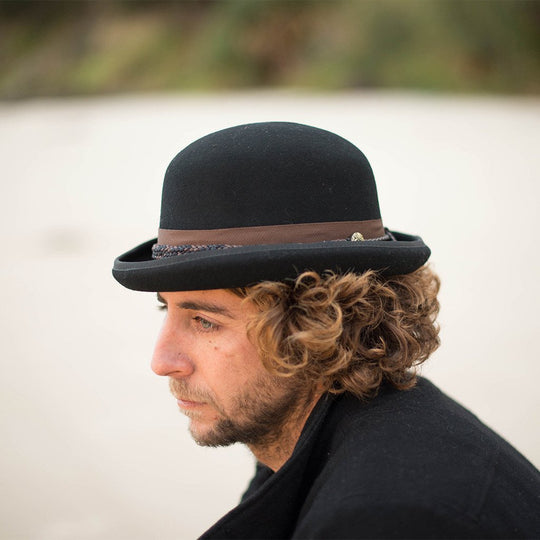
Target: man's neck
{"x":276,"y":451}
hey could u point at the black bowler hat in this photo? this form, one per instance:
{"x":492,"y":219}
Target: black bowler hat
{"x":266,"y":201}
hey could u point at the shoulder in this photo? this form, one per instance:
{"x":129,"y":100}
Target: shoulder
{"x":416,"y":459}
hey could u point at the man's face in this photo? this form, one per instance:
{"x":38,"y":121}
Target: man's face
{"x":216,"y":374}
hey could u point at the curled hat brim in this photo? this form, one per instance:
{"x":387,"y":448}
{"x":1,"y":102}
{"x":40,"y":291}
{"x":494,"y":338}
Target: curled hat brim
{"x":246,"y":265}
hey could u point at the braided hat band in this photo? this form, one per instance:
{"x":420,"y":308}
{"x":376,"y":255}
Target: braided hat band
{"x":163,"y":250}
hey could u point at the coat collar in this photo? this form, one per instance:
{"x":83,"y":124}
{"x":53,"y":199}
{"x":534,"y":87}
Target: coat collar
{"x":270,"y":509}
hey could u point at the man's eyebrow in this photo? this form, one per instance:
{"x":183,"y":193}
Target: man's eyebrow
{"x":201,"y":306}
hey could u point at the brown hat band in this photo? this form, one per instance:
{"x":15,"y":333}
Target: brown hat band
{"x":275,"y":234}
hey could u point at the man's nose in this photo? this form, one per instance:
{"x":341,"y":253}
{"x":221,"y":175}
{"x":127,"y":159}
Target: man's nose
{"x":169,"y":359}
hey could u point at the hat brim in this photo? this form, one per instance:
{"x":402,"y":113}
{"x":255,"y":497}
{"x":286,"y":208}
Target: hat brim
{"x":245,"y":265}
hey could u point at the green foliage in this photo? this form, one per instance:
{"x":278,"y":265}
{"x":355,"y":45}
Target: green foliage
{"x":89,"y":47}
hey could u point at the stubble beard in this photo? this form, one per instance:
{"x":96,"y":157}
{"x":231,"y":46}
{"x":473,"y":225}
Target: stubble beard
{"x":259,"y":414}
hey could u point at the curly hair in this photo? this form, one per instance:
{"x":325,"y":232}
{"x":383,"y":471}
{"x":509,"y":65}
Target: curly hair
{"x":347,"y":333}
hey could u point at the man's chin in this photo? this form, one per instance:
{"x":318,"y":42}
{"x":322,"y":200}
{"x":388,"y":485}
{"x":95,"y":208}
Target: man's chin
{"x":206,"y":433}
{"x":221,"y":432}
{"x":209,"y":438}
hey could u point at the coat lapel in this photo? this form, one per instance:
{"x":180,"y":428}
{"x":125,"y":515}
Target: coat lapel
{"x":271,"y":510}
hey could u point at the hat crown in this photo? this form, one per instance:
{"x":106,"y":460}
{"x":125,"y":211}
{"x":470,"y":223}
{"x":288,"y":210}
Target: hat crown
{"x":272,"y":173}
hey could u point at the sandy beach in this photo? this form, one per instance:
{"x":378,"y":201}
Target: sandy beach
{"x":93,"y":446}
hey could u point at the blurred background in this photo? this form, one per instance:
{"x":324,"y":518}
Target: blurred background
{"x":96,"y":97}
{"x":89,"y":47}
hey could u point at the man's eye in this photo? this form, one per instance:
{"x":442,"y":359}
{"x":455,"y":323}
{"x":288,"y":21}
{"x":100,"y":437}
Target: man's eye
{"x":162,"y":307}
{"x":204,"y":324}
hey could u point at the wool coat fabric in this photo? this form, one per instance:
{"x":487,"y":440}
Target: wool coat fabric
{"x":406,"y":464}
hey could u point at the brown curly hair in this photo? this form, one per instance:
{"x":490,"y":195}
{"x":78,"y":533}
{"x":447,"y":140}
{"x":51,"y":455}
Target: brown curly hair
{"x":347,"y":333}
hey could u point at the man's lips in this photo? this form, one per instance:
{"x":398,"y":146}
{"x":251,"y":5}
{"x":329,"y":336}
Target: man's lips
{"x":187,"y":404}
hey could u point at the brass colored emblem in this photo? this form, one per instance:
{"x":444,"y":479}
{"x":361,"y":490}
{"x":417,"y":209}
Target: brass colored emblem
{"x":357,"y":237}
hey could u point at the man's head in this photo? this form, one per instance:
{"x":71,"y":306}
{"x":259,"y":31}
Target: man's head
{"x":243,"y":363}
{"x":280,"y":281}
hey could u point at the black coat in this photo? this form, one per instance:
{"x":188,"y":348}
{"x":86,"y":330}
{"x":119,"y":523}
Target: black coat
{"x":407,"y":464}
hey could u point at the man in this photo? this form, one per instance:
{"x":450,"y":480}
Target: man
{"x":294,"y":323}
